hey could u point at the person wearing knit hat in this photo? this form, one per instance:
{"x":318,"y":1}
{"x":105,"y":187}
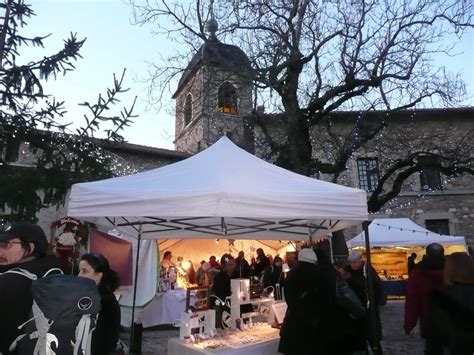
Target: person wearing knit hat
{"x":297,"y":334}
{"x":307,"y":255}
{"x":22,"y":245}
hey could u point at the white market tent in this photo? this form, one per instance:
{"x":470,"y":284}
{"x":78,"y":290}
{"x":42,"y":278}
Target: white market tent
{"x":403,"y":232}
{"x":222,"y":192}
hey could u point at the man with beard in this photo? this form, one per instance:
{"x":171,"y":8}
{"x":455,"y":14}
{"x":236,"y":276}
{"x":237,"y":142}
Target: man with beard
{"x":24,"y":246}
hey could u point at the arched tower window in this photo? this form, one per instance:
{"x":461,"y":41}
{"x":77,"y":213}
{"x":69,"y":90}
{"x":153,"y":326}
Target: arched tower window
{"x":188,"y":109}
{"x":227,"y":99}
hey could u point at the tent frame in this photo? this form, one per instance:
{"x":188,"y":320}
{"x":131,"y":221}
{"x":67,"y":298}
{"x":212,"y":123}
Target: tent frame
{"x":225,"y":229}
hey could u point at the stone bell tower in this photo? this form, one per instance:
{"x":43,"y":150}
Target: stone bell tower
{"x":213,"y":95}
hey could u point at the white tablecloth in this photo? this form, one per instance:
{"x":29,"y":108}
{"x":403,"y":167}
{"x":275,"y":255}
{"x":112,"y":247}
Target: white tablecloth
{"x":165,"y":308}
{"x":266,"y":347}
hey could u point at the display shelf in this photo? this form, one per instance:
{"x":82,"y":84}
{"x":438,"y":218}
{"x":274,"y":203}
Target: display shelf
{"x":241,"y":296}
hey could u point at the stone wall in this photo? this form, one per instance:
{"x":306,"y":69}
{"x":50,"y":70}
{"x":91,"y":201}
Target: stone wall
{"x":431,"y":132}
{"x":438,"y":131}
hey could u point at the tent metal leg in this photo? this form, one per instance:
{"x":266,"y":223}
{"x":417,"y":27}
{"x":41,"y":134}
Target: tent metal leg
{"x":370,"y":293}
{"x":133,"y":335}
{"x":331,"y":251}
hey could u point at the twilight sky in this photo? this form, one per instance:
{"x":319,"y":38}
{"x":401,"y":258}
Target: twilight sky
{"x":113,"y":44}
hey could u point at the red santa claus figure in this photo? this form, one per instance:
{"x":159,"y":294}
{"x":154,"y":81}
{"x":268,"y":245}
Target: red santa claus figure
{"x":67,"y":232}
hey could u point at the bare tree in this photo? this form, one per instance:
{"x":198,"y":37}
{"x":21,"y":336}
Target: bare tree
{"x":315,"y":58}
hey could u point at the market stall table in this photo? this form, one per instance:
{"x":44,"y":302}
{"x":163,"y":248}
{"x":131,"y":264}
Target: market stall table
{"x":165,"y":308}
{"x":256,"y":341}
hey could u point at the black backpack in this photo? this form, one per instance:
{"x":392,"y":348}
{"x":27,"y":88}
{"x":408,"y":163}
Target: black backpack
{"x":63,"y":315}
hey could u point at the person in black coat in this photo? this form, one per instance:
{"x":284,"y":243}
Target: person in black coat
{"x":221,"y":288}
{"x":355,"y":275}
{"x":261,"y":263}
{"x":23,"y":246}
{"x":242,"y":267}
{"x":411,"y":262}
{"x":105,"y":336}
{"x":273,"y":274}
{"x":451,"y":318}
{"x":297,"y":334}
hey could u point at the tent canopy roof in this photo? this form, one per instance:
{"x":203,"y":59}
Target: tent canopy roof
{"x":221,"y":191}
{"x":403,"y":232}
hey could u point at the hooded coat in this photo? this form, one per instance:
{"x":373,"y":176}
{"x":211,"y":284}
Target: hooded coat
{"x":423,"y":280}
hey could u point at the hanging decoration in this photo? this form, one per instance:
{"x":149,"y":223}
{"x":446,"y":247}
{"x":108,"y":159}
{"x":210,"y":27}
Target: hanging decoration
{"x":67,"y":234}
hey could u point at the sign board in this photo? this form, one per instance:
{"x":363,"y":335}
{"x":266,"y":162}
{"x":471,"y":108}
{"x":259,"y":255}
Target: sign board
{"x":279,"y":309}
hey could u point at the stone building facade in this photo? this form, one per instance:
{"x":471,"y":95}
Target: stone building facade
{"x":440,"y":203}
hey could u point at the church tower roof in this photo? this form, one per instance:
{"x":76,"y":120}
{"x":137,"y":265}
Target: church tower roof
{"x":214,"y":53}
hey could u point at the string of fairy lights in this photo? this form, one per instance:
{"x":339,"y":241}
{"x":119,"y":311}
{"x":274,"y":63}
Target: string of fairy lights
{"x":426,"y":232}
{"x":402,"y":200}
{"x":346,"y":178}
{"x":116,"y":163}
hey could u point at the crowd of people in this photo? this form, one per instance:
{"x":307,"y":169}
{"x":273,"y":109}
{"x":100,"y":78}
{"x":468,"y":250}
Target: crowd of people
{"x":315,"y":314}
{"x":329,"y":308}
{"x":265,"y":269}
{"x":322,"y":320}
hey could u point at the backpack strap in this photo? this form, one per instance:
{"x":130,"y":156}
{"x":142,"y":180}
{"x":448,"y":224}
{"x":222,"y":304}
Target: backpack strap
{"x":22,"y":272}
{"x":30,"y":275}
{"x":42,"y":327}
{"x":54,"y":269}
{"x":84,"y":330}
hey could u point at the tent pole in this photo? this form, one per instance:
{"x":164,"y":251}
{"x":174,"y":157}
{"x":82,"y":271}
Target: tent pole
{"x":132,"y":331}
{"x":331,"y":252}
{"x":370,"y":293}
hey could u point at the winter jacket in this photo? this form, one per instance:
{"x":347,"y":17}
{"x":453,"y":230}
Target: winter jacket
{"x":314,"y":324}
{"x":221,"y":285}
{"x":272,"y":276}
{"x":451,"y":321}
{"x":368,"y":329}
{"x":242,"y":269}
{"x":16,"y":298}
{"x":262,"y":264}
{"x":423,"y":280}
{"x":296,"y":334}
{"x":106,"y":332}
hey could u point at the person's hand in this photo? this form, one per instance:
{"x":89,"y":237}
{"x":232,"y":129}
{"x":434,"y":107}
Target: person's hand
{"x":345,"y":274}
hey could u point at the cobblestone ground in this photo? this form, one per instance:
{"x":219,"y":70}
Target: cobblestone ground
{"x":395,"y":341}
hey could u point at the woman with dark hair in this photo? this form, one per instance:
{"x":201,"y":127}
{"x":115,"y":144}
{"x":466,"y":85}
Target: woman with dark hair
{"x":96,"y":267}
